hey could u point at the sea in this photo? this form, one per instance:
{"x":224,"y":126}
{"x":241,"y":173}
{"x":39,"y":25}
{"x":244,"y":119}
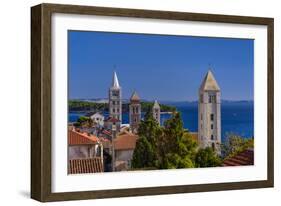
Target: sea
{"x":236,"y":117}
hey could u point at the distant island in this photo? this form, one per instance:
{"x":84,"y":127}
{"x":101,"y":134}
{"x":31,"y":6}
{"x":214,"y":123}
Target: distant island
{"x":102,"y":106}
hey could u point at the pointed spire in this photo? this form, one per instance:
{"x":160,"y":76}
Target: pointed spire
{"x":156,"y":105}
{"x":209,"y":83}
{"x":115,"y":83}
{"x":135,"y":96}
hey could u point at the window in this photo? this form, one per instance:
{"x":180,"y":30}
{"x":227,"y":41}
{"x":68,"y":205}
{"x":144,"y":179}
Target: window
{"x":137,"y":110}
{"x":212,"y":126}
{"x":115,"y":93}
{"x":212,"y":117}
{"x":213,"y":146}
{"x":201,"y":98}
{"x":117,"y":109}
{"x":201,"y":116}
{"x":113,"y":102}
{"x":113,"y":110}
{"x":212,"y":137}
{"x":212,"y":98}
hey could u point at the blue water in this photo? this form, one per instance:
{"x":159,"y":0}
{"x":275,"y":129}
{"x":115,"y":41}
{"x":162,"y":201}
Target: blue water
{"x":237,"y":118}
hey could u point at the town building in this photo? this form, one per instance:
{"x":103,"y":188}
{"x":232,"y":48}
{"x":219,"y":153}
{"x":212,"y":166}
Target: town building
{"x":124,"y":146}
{"x":209,"y":113}
{"x":156,"y":111}
{"x":134,"y":112}
{"x":98,"y":119}
{"x":83,"y":145}
{"x":112,"y":123}
{"x":115,"y":99}
{"x":85,"y":153}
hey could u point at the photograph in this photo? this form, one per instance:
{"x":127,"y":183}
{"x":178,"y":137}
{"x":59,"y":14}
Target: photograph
{"x":150,"y":102}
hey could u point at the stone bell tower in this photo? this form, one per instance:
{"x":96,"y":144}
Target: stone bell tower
{"x":156,"y":111}
{"x":135,"y":112}
{"x":115,"y":99}
{"x":209,"y":113}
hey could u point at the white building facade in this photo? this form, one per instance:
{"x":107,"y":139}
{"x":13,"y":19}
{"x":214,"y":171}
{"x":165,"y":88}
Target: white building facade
{"x":98,"y":118}
{"x":209,"y":113}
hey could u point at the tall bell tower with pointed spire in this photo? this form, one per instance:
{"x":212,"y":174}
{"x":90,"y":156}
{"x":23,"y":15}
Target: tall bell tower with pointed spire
{"x":135,"y":112}
{"x":209,"y":113}
{"x":115,"y":99}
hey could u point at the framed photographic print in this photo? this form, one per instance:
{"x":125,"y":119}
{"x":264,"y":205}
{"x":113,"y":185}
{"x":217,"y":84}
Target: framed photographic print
{"x":132,"y":102}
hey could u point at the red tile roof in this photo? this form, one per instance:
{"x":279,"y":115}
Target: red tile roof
{"x":112,"y":119}
{"x":78,"y":138}
{"x":107,"y":132}
{"x":78,"y":166}
{"x":243,"y":158}
{"x":194,"y":136}
{"x":126,"y":141}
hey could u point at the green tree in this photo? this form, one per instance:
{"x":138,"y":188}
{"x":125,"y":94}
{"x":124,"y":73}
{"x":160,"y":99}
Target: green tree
{"x":207,"y":158}
{"x":84,"y":122}
{"x":235,"y":144}
{"x":149,"y":128}
{"x":143,"y":156}
{"x":145,"y":151}
{"x":175,"y":147}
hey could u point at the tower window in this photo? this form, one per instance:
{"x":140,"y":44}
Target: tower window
{"x":201,"y":116}
{"x":212,"y":98}
{"x":212,"y":137}
{"x":213,"y":146}
{"x":115,"y":93}
{"x":212,"y":126}
{"x":212,"y":117}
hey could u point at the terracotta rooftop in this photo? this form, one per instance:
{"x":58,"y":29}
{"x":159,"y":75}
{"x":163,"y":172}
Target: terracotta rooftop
{"x":79,"y":166}
{"x":194,"y":136}
{"x":78,"y":138}
{"x":107,"y":132}
{"x":112,"y":119}
{"x":125,"y":141}
{"x":243,"y":158}
{"x":135,"y":97}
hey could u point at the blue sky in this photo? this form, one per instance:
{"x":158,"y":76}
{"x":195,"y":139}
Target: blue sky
{"x":158,"y":66}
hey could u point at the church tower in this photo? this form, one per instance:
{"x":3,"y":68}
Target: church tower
{"x":156,"y":111}
{"x":209,"y":113}
{"x":115,"y":100}
{"x":135,"y":112}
